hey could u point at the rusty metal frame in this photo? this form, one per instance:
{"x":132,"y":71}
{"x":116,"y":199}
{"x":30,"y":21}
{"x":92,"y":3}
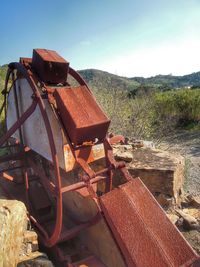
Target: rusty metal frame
{"x":56,"y":189}
{"x":37,"y":100}
{"x":88,"y":178}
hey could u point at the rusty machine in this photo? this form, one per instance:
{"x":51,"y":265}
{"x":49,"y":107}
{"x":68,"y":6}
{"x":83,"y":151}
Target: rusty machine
{"x":61,"y":165}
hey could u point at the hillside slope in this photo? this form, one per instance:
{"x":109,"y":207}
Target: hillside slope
{"x":104,"y":79}
{"x":98,"y":79}
{"x":147,"y":114}
{"x":170,"y":80}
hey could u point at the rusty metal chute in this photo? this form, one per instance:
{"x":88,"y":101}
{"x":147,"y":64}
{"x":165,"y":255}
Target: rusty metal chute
{"x":59,"y":133}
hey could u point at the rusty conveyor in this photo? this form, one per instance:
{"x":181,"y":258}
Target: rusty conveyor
{"x":64,"y":169}
{"x":144,"y":233}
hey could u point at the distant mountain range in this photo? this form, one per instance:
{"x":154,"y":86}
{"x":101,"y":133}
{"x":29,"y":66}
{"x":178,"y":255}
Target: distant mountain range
{"x":104,"y":79}
{"x":98,"y":79}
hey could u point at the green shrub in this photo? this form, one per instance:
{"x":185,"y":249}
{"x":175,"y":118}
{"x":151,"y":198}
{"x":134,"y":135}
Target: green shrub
{"x":3,"y":71}
{"x":181,"y":106}
{"x":150,"y":114}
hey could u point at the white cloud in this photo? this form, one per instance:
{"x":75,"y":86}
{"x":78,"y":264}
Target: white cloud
{"x":182,"y":57}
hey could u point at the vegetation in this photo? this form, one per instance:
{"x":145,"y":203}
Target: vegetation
{"x":181,"y":106}
{"x":147,"y":108}
{"x":159,"y":82}
{"x":3,"y":71}
{"x":143,"y":108}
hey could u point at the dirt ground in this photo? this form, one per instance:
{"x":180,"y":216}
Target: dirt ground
{"x":187,"y":144}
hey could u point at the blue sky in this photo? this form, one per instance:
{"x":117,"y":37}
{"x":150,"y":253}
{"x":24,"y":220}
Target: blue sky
{"x":125,"y":37}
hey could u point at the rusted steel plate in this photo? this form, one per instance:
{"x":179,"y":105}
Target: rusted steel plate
{"x":50,"y":66}
{"x":89,"y":154}
{"x":39,"y":140}
{"x":144,"y":233}
{"x":81,"y":115}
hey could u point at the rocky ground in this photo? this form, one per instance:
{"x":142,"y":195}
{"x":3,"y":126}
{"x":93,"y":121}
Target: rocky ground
{"x":187,"y":216}
{"x":187,"y":144}
{"x":186,"y":213}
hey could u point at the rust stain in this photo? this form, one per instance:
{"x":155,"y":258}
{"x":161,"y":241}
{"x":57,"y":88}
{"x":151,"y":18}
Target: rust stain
{"x":142,"y":230}
{"x":89,"y":154}
{"x":50,"y":66}
{"x":144,"y":233}
{"x":82,"y":117}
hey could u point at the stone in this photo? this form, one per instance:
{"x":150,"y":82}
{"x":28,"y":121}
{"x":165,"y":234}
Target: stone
{"x":13,"y":223}
{"x":30,"y":236}
{"x":165,"y":201}
{"x":149,"y":144}
{"x":18,"y":246}
{"x":189,"y":222}
{"x":161,"y":172}
{"x":34,"y":246}
{"x":125,"y":156}
{"x":30,"y":242}
{"x":137,"y":143}
{"x":173,"y":217}
{"x":194,"y":200}
{"x":36,"y":259}
{"x":193,"y":212}
{"x":29,"y":254}
{"x":193,"y":237}
{"x":123,"y":152}
{"x":179,"y":223}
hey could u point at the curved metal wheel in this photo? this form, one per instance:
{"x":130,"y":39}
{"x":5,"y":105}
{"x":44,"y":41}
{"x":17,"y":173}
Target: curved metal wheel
{"x":48,"y":240}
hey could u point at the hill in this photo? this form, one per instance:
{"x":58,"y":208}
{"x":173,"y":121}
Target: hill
{"x":105,"y":80}
{"x":171,"y":81}
{"x":154,"y":111}
{"x":99,"y":79}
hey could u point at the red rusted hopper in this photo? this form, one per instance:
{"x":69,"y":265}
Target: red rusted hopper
{"x":57,"y":135}
{"x":49,"y":66}
{"x":82,"y":117}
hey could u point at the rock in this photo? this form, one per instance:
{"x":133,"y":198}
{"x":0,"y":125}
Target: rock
{"x":123,"y":152}
{"x":179,"y":223}
{"x":36,"y":259}
{"x":173,"y":217}
{"x":30,"y":244}
{"x":122,"y":148}
{"x":160,"y":171}
{"x":125,"y":156}
{"x":30,"y":236}
{"x":193,"y":237}
{"x":13,"y":223}
{"x":18,"y":247}
{"x":189,"y":222}
{"x":184,"y":202}
{"x":137,"y":143}
{"x":29,"y":255}
{"x":165,"y":201}
{"x":149,"y":144}
{"x":193,"y":212}
{"x":194,"y":201}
